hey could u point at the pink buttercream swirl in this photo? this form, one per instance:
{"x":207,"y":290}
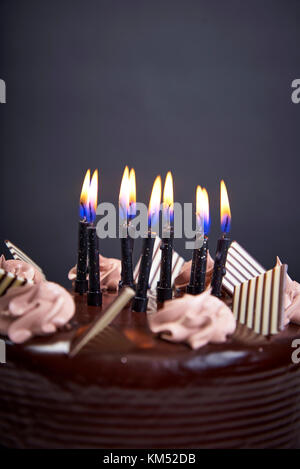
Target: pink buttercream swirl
{"x":291,"y":300}
{"x":110,"y":273}
{"x":182,"y":280}
{"x":21,"y":269}
{"x":33,"y":310}
{"x":195,"y":320}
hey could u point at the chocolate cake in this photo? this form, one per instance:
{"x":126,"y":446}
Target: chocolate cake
{"x":130,"y":389}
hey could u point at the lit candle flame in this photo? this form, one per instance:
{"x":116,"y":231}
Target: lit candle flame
{"x":124,"y":194}
{"x":199,"y":208}
{"x":206,"y":217}
{"x":168,"y":198}
{"x":202,"y":210}
{"x":93,"y":196}
{"x":225,"y":209}
{"x":85,"y":195}
{"x":132,"y":194}
{"x":154,"y":204}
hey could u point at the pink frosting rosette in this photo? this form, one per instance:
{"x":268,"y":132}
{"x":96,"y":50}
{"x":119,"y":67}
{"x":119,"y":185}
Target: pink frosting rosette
{"x":194,"y":320}
{"x":21,"y":269}
{"x":33,"y":310}
{"x":110,"y":273}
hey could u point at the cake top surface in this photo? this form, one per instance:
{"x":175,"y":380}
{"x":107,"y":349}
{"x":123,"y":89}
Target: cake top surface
{"x":127,"y":348}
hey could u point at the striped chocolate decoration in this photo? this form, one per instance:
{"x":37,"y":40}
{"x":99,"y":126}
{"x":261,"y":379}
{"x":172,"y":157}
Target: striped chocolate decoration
{"x":240,"y":267}
{"x":101,"y":322}
{"x":177,"y":263}
{"x":258,"y":303}
{"x":18,"y":254}
{"x":9,"y":280}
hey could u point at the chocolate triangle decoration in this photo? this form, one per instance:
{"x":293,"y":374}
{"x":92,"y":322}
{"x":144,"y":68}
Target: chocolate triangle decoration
{"x":240,"y":267}
{"x":258,"y":303}
{"x":101,"y":322}
{"x":18,"y":254}
{"x":9,"y":280}
{"x":177,"y":263}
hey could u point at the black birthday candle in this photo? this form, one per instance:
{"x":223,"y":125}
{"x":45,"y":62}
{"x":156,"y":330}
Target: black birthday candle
{"x":126,"y":259}
{"x":126,"y":240}
{"x":190,"y":286}
{"x":223,"y":244}
{"x":198,"y":241}
{"x":200,"y":267}
{"x":81,"y":283}
{"x":140,"y":301}
{"x":94,"y":296}
{"x":198,"y":271}
{"x":132,"y":207}
{"x":164,"y":287}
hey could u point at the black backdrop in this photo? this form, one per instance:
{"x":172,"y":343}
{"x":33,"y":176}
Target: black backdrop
{"x":199,"y":87}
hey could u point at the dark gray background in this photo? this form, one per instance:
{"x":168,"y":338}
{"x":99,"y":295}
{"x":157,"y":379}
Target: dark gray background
{"x":199,"y":87}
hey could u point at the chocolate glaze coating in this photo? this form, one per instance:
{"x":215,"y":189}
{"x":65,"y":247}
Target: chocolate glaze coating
{"x":129,"y":389}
